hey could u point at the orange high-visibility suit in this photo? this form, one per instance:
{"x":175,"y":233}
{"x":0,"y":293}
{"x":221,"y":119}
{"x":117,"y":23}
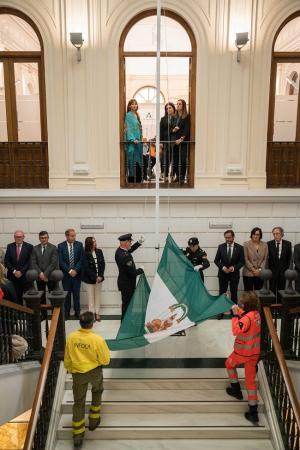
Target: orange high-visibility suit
{"x":247,"y":328}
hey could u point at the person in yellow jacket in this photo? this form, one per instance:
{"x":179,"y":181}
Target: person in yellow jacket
{"x":85,"y":354}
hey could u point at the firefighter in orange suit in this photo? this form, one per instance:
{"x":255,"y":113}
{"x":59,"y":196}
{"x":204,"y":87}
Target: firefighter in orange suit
{"x":85,"y":354}
{"x":246,"y":327}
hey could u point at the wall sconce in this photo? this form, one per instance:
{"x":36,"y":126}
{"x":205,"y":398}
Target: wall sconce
{"x":240,"y":42}
{"x":77,"y":41}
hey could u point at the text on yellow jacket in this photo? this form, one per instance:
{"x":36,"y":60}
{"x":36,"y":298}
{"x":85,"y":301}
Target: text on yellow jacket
{"x":85,"y":350}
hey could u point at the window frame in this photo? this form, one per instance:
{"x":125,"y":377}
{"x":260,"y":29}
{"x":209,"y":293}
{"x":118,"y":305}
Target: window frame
{"x":23,"y":164}
{"x":9,"y":58}
{"x":192,"y":55}
{"x":293,"y":180}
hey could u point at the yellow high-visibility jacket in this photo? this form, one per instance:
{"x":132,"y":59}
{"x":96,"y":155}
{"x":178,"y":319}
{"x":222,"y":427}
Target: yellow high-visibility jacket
{"x":85,"y":350}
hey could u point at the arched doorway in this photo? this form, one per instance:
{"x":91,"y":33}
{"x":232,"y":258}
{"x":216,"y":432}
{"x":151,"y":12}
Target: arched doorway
{"x":283,"y":151}
{"x":23,"y":124}
{"x":137,"y":53}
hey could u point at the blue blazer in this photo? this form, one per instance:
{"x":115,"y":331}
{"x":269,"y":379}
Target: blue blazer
{"x":11,"y":262}
{"x":63,"y":254}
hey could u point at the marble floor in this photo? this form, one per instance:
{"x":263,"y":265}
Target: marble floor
{"x":12,"y":434}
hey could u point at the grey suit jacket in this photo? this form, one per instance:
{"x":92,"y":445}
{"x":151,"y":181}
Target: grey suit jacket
{"x":46,"y":262}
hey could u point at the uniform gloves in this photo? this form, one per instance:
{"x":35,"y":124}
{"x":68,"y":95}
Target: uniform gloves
{"x":141,"y":240}
{"x":197,"y":268}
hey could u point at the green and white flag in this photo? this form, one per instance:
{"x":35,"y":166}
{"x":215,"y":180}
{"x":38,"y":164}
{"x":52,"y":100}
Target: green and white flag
{"x":177,"y":301}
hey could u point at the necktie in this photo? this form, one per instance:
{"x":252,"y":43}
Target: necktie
{"x":18,"y":251}
{"x":43,"y":249}
{"x":229,"y":253}
{"x":277,"y":248}
{"x":71,"y":257}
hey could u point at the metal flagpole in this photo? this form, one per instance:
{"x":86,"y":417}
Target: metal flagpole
{"x":157,"y":165}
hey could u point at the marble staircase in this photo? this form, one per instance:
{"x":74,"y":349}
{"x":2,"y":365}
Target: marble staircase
{"x":165,"y":409}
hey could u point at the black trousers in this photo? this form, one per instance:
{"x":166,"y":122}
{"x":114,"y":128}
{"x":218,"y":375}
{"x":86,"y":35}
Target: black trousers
{"x":126,"y":294}
{"x":233,"y":283}
{"x":179,"y":161}
{"x":21,"y":285}
{"x":252,"y":283}
{"x":166,"y":159}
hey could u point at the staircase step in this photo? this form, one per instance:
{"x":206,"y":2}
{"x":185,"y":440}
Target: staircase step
{"x":176,"y":373}
{"x":175,"y":426}
{"x":165,"y":407}
{"x":155,"y":401}
{"x":162,"y":383}
{"x":171,"y":444}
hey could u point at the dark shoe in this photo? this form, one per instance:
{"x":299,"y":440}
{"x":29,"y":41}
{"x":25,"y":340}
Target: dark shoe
{"x":235,"y":391}
{"x":67,"y":315}
{"x":93,"y":424}
{"x":252,"y":415}
{"x":77,"y":315}
{"x":78,"y":443}
{"x":220,"y":316}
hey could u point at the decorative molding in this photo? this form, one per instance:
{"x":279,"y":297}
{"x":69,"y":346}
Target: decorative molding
{"x":139,"y":196}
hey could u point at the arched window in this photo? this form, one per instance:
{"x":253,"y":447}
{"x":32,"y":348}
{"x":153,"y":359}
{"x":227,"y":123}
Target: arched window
{"x":146,"y":98}
{"x":283,"y":153}
{"x":137,"y":52}
{"x":23,"y":126}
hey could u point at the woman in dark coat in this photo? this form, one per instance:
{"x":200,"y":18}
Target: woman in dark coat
{"x":182,"y":136}
{"x":92,"y":274}
{"x":167,"y":123}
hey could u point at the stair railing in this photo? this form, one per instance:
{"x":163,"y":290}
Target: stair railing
{"x":281,"y":386}
{"x":16,"y":320}
{"x":43,"y":400}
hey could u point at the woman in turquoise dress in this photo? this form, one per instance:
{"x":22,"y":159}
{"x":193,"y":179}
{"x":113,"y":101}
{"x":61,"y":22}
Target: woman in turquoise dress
{"x":133,"y":146}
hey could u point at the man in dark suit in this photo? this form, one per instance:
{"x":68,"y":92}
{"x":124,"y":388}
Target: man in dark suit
{"x":44,"y":259}
{"x":229,"y":259}
{"x":280,"y":254}
{"x":297,"y":266}
{"x":70,"y":253}
{"x":127,"y":270}
{"x":17,"y":260}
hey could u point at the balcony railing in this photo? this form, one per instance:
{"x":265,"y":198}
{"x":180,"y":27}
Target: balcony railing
{"x":24,"y":165}
{"x":138,"y":164}
{"x":283,"y":164}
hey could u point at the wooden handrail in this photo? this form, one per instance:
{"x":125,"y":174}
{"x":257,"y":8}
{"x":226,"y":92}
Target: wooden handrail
{"x":282,"y":364}
{"x":41,"y":381}
{"x":16,"y":306}
{"x":48,"y":307}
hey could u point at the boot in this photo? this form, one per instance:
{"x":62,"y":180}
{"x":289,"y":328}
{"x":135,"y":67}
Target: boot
{"x":235,"y":391}
{"x":78,"y":443}
{"x":93,"y":423}
{"x":252,"y":415}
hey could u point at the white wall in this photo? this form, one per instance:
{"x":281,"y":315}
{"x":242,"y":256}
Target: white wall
{"x":17,"y":388}
{"x":83,"y":98}
{"x":134,"y":212}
